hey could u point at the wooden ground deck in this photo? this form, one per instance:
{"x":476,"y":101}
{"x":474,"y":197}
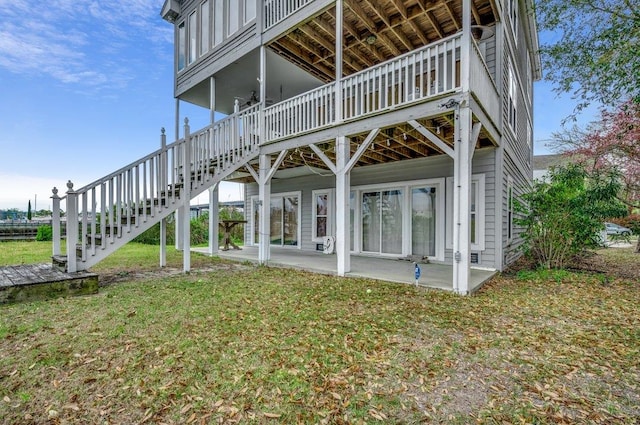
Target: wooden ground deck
{"x":31,"y":282}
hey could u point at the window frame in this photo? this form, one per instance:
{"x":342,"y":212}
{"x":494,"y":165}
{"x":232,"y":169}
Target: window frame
{"x":192,"y":38}
{"x":510,"y":196}
{"x":512,"y":109}
{"x":181,"y":46}
{"x":205,"y":30}
{"x":480,"y":192}
{"x":328,"y":216}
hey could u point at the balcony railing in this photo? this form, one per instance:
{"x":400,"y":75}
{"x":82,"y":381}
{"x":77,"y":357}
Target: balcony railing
{"x":430,"y":71}
{"x":482,"y":84}
{"x":276,"y":11}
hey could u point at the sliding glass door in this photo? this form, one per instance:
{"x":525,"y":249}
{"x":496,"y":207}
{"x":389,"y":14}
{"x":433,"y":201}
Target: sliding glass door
{"x":284,"y":220}
{"x":382,"y":221}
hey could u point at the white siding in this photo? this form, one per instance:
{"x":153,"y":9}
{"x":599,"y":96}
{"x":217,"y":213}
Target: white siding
{"x":419,"y":169}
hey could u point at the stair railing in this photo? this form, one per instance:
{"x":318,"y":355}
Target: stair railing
{"x":111,"y":211}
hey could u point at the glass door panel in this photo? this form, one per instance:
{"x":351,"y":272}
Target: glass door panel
{"x":290,"y":227}
{"x":391,"y":218}
{"x":371,"y":221}
{"x":423,"y":221}
{"x":276,"y":221}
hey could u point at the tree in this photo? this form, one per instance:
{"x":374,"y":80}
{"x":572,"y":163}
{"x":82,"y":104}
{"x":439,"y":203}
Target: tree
{"x":595,"y":52}
{"x":29,"y":211}
{"x":564,"y":214}
{"x":613,"y":143}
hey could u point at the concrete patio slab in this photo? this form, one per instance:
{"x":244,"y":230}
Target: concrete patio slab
{"x":438,"y":276}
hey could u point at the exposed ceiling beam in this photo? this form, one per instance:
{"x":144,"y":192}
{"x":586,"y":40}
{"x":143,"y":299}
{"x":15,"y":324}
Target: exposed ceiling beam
{"x":375,"y":6}
{"x":453,"y":15}
{"x":475,"y":13}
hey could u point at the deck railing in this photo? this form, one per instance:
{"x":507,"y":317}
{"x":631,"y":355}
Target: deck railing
{"x":105,"y":214}
{"x":482,"y":83}
{"x":276,"y":11}
{"x":432,"y":70}
{"x":419,"y":74}
{"x":309,"y":111}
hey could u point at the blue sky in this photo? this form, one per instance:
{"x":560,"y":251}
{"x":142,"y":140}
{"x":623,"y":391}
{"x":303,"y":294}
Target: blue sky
{"x":87,"y":85}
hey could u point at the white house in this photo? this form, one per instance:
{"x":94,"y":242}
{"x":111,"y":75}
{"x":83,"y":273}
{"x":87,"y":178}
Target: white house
{"x":396,"y":127}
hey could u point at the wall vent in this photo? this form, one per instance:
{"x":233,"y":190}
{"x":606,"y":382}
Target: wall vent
{"x":475,"y":258}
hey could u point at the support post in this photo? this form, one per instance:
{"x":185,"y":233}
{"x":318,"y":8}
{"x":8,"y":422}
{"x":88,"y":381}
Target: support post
{"x":55,"y":222}
{"x":186,"y":210}
{"x":343,"y":184}
{"x":339,"y":42}
{"x":212,"y":99}
{"x":462,"y":200}
{"x":72,"y":228}
{"x":164,"y":187}
{"x":264,"y":197}
{"x":213,"y":219}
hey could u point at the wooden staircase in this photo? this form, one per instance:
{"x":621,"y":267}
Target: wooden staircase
{"x":114,"y":210}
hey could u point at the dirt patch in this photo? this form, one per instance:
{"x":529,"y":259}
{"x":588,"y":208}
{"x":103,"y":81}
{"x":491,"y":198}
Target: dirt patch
{"x":126,"y":275}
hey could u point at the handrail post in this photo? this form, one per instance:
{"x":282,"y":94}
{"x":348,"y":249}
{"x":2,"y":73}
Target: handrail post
{"x":164,"y":188}
{"x":186,"y":213}
{"x":72,"y":228}
{"x":55,"y":221}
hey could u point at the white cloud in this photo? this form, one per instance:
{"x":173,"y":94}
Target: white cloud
{"x":81,"y":42}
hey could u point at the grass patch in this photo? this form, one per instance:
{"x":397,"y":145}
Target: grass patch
{"x":259,"y":345}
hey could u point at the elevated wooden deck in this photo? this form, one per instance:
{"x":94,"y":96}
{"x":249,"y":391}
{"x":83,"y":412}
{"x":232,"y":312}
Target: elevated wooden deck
{"x":31,"y":282}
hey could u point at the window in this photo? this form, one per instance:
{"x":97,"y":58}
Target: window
{"x":249,"y":10}
{"x":529,"y":135}
{"x":511,"y":106}
{"x":321,"y":214}
{"x":513,"y":14}
{"x":233,"y":16}
{"x":218,"y":22}
{"x":529,"y":78}
{"x":193,"y":30}
{"x":204,"y":27}
{"x":181,"y":46}
{"x":476,"y":212}
{"x":509,"y":209}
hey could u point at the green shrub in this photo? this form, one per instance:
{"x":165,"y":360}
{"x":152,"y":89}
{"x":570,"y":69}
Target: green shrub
{"x":45,"y":233}
{"x":563,"y":215}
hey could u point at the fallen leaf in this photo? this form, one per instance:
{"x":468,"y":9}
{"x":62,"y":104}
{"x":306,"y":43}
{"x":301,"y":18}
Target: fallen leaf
{"x":71,"y":406}
{"x":272,"y":415}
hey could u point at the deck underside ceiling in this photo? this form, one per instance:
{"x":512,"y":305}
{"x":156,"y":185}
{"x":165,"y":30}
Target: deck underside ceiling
{"x":396,"y":143}
{"x":375,"y":31}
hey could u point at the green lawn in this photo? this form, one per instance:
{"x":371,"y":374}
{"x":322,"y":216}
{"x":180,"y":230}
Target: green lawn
{"x":263,"y":345}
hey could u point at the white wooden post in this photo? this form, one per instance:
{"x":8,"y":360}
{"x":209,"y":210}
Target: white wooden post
{"x":462,"y":166}
{"x":186,"y":210}
{"x":55,"y":222}
{"x":343,"y":183}
{"x":264,"y":197}
{"x":213,"y":220}
{"x":338,"y":64}
{"x":164,"y":187}
{"x":72,"y":228}
{"x":462,"y":200}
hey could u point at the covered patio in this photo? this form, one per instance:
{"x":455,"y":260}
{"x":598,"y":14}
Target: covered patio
{"x":437,"y":276}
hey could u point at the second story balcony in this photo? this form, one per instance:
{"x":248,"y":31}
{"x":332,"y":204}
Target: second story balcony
{"x":395,"y":54}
